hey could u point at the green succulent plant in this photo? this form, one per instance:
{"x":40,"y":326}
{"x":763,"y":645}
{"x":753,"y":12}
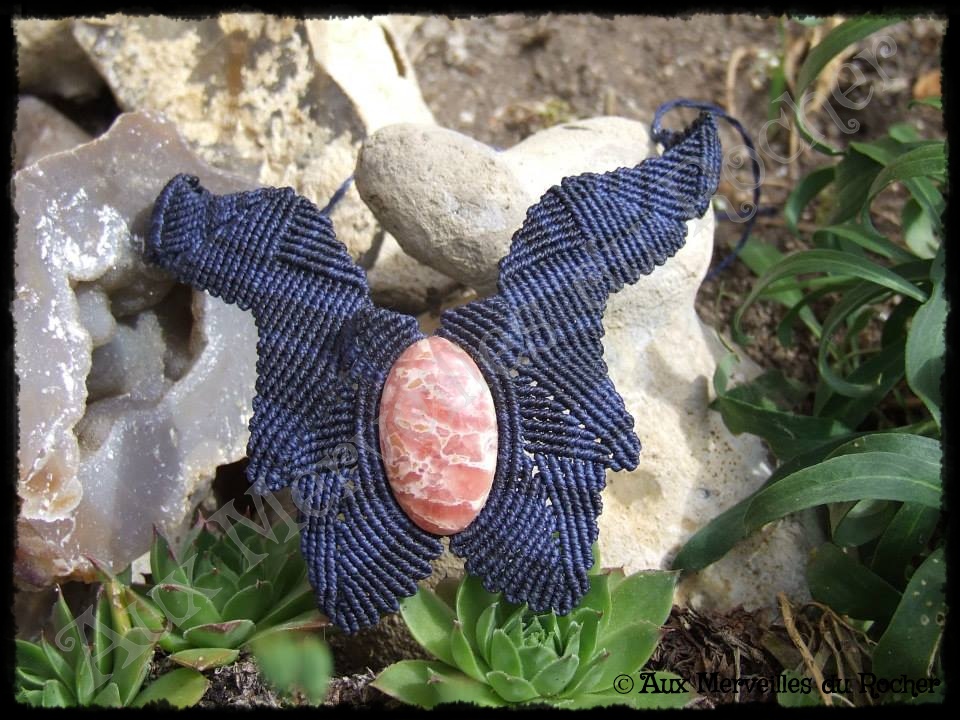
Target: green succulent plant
{"x":495,"y":653}
{"x":224,"y":589}
{"x":296,"y":664}
{"x":107,"y":671}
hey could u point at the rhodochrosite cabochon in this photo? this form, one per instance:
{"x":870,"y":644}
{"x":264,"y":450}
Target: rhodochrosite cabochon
{"x":497,"y":432}
{"x":438,"y":435}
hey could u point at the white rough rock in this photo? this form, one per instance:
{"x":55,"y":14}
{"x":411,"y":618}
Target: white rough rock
{"x":50,"y":62}
{"x":437,"y":191}
{"x":42,"y":130}
{"x":281,"y":101}
{"x":133,"y":389}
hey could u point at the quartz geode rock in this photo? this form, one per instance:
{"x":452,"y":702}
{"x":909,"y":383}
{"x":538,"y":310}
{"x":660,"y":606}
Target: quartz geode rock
{"x":133,"y":389}
{"x":41,"y":130}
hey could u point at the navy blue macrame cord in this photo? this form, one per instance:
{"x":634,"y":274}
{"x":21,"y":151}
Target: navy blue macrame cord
{"x":325,"y":350}
{"x":337,"y":196}
{"x":662,"y":135}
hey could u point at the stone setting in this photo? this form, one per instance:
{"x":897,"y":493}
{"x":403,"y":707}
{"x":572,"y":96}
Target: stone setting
{"x":438,"y":435}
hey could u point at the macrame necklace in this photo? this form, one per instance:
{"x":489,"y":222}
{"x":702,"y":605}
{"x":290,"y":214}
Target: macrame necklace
{"x":497,"y":431}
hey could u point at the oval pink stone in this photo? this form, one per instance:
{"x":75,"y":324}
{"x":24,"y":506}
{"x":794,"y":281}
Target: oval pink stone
{"x":438,"y":435}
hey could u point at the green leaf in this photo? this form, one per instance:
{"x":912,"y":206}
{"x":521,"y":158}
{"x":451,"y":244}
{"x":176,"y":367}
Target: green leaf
{"x":760,"y":257}
{"x":29,"y":681}
{"x":291,"y":573}
{"x":799,"y":697}
{"x":86,"y":684}
{"x":714,"y":540}
{"x":912,"y":639}
{"x":310,"y":620}
{"x":863,"y":522}
{"x":131,"y":662}
{"x":217,"y":585}
{"x":906,"y":537}
{"x":63,"y":671}
{"x":629,"y":648}
{"x":858,"y":297}
{"x":109,"y":696}
{"x":430,"y":621}
{"x":472,"y":600}
{"x":828,"y":261}
{"x":868,"y":239}
{"x":32,"y":698}
{"x":926,"y":350}
{"x":852,"y":179}
{"x":428,"y":684}
{"x":598,"y":596}
{"x":163,"y":564}
{"x":102,"y":632}
{"x":184,"y":606}
{"x":486,"y":624}
{"x":918,"y":230}
{"x":806,"y":190}
{"x":465,"y":656}
{"x":293,"y":662}
{"x":56,"y":695}
{"x":299,"y":600}
{"x":883,"y":371}
{"x":903,"y":443}
{"x":835,"y":42}
{"x":68,"y":639}
{"x":173,"y":642}
{"x":643,"y":596}
{"x":787,"y":434}
{"x":510,"y":688}
{"x":142,"y":612}
{"x":32,"y":659}
{"x":250,"y":603}
{"x":503,"y":654}
{"x":205,"y":658}
{"x":553,"y":678}
{"x":589,"y":633}
{"x":878,"y":475}
{"x":229,"y":634}
{"x":936,"y":102}
{"x":535,"y":657}
{"x":848,"y":587}
{"x":928,"y":160}
{"x":903,"y":132}
{"x":181,"y":688}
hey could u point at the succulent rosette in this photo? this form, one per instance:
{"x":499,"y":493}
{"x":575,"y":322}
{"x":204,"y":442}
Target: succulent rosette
{"x":226,"y":589}
{"x":495,"y":653}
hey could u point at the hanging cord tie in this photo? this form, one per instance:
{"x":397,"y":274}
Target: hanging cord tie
{"x":337,"y":196}
{"x":667,"y":137}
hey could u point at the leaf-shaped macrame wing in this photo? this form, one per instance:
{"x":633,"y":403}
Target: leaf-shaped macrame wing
{"x":562,"y":423}
{"x":322,"y":357}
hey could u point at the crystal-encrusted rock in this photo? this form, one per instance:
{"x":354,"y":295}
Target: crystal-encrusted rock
{"x":133,"y":389}
{"x":438,"y":435}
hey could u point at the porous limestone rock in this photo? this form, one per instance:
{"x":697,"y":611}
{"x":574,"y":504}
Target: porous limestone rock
{"x":50,"y":62}
{"x":42,"y":130}
{"x":133,"y":389}
{"x":281,"y":101}
{"x":456,"y":203}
